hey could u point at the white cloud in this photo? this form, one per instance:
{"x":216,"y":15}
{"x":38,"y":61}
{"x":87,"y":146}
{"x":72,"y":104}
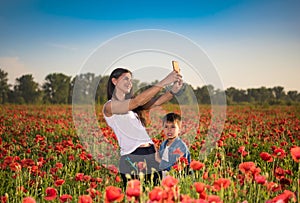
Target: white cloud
{"x":14,"y":67}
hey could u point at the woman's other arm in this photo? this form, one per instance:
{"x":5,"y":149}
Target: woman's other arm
{"x":167,"y":96}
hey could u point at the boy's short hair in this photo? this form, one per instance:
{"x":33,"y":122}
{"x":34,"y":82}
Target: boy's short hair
{"x":172,"y":117}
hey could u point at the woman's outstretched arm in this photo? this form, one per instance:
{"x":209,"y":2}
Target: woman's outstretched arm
{"x":120,"y":107}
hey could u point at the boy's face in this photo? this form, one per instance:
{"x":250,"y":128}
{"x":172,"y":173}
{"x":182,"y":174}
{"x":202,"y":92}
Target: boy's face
{"x":171,"y":129}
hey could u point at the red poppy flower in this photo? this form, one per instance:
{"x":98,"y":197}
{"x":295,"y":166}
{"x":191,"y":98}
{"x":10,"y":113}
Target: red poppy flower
{"x":156,"y":194}
{"x":177,"y":167}
{"x":200,"y":201}
{"x":113,"y":169}
{"x":3,"y":199}
{"x":221,"y":183}
{"x":141,"y":165}
{"x":87,"y":178}
{"x":39,"y":138}
{"x":205,"y":175}
{"x":274,"y":187}
{"x":79,"y":176}
{"x":133,"y":188}
{"x":65,"y":198}
{"x":266,"y":156}
{"x":259,"y":179}
{"x":247,"y":167}
{"x":14,"y":166}
{"x":93,"y":184}
{"x":51,"y":194}
{"x":285,"y":181}
{"x":85,"y":199}
{"x":59,"y":165}
{"x":196,"y":165}
{"x":28,"y":200}
{"x":295,"y":152}
{"x":214,"y":199}
{"x":279,"y":172}
{"x":186,"y":199}
{"x":113,"y":193}
{"x":93,"y":192}
{"x":53,"y":170}
{"x":280,"y":153}
{"x":169,"y":181}
{"x":118,"y":179}
{"x":285,"y":197}
{"x":22,"y":189}
{"x":183,"y":160}
{"x":71,"y":158}
{"x":200,"y":189}
{"x":59,"y":182}
{"x":242,"y":151}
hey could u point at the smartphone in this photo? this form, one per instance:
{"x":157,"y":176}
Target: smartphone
{"x":176,"y":66}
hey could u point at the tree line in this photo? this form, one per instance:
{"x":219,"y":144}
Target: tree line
{"x":58,"y":88}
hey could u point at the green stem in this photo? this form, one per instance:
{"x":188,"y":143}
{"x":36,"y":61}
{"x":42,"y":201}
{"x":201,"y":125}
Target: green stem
{"x":298,"y":182}
{"x":258,"y":197}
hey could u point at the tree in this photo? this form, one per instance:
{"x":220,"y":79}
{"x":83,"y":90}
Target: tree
{"x":219,"y":97}
{"x":204,"y":94}
{"x":293,"y":95}
{"x":26,"y":90}
{"x":4,"y":87}
{"x":260,"y":95}
{"x":84,"y":88}
{"x":235,"y":95}
{"x":101,"y":96}
{"x":56,"y":88}
{"x":279,"y":92}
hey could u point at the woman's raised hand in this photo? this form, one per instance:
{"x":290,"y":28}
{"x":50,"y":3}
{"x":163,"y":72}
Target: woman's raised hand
{"x":171,"y":78}
{"x":177,"y":86}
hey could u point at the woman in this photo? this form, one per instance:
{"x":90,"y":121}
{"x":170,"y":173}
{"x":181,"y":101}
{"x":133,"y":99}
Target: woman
{"x":122,"y":113}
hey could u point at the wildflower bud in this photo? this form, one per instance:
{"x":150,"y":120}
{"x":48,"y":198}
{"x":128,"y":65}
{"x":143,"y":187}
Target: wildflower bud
{"x":142,"y":176}
{"x":128,"y":176}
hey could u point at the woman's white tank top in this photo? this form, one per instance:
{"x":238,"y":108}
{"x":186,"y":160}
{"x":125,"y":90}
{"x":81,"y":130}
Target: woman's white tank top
{"x":129,"y":131}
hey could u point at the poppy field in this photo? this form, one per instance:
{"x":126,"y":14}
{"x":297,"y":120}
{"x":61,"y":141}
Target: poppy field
{"x":256,"y":158}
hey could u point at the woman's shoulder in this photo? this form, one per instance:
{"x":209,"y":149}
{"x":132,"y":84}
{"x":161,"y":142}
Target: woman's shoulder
{"x":104,"y":109}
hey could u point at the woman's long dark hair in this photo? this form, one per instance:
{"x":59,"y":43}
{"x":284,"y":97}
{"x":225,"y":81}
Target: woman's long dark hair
{"x":111,"y":89}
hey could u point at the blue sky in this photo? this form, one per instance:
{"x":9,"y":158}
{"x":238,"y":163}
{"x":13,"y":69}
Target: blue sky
{"x":252,"y":43}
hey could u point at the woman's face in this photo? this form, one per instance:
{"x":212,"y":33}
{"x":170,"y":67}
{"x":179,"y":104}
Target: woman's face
{"x":123,"y":83}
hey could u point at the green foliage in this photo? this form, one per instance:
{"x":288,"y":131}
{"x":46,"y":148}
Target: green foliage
{"x":26,"y":90}
{"x":56,"y":88}
{"x":87,"y":87}
{"x":4,"y":87}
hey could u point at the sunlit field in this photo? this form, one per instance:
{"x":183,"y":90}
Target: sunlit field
{"x":255,"y":159}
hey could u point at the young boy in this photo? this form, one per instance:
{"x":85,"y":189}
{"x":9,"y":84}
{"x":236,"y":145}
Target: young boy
{"x":173,"y":148}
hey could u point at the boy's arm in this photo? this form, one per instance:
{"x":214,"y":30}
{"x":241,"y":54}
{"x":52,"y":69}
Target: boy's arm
{"x":157,"y":157}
